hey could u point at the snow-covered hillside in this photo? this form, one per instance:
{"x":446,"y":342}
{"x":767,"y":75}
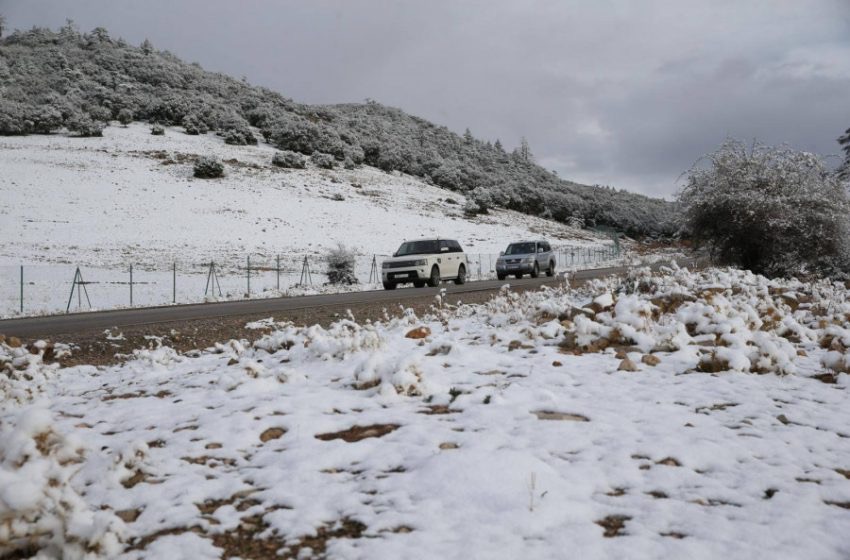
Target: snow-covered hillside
{"x":676,"y":416}
{"x":129,"y":198}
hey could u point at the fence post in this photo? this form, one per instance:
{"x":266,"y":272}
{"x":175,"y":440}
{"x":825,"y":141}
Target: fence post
{"x":174,"y":282}
{"x":22,"y":289}
{"x":249,"y":276}
{"x":131,"y":284}
{"x":278,"y":272}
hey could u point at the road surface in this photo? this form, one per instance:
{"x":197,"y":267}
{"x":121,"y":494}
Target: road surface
{"x":51,"y":325}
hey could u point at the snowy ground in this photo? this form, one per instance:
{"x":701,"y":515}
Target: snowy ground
{"x":129,"y":198}
{"x":673,"y":416}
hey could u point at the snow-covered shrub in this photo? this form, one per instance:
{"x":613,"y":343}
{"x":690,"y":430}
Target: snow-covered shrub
{"x":40,"y":511}
{"x":478,"y":202}
{"x":325,"y":161}
{"x":157,"y":130}
{"x":194,"y":125}
{"x":125,"y":116}
{"x":340,"y":262}
{"x":208,"y":168}
{"x":236,"y":131}
{"x":289,"y":159}
{"x":24,"y":372}
{"x":84,"y":126}
{"x":772,"y":210}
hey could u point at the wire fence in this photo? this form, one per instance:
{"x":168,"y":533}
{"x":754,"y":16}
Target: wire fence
{"x":61,"y":288}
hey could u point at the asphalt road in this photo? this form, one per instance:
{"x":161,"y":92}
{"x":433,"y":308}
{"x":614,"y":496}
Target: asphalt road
{"x":72,"y":323}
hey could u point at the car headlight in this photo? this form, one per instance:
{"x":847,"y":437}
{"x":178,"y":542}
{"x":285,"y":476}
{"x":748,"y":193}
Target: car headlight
{"x":420,"y":262}
{"x":528,"y":260}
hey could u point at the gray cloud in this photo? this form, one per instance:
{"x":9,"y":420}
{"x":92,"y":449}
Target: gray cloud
{"x":615,"y":92}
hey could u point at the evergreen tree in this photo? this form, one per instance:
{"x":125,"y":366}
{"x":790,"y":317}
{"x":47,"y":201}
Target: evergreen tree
{"x":844,"y":169}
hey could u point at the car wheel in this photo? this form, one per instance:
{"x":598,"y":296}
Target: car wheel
{"x":535,"y":272}
{"x":434,"y":280}
{"x":461,"y":275}
{"x":551,"y":270}
{"x":389,"y":285}
{"x":500,"y":276}
{"x":518,"y":275}
{"x":419,"y":283}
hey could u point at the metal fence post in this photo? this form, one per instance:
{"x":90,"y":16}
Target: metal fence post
{"x":249,"y":276}
{"x":278,"y":272}
{"x":22,"y":289}
{"x":174,"y":282}
{"x":131,"y":284}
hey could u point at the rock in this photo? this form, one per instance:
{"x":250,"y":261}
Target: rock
{"x":418,"y":332}
{"x":14,"y":342}
{"x":621,"y":354}
{"x":556,"y":363}
{"x":627,"y":365}
{"x":271,"y":433}
{"x":650,"y":360}
{"x":448,"y":445}
{"x":514,"y":345}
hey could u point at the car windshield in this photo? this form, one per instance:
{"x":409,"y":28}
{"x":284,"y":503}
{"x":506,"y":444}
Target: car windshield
{"x":418,"y":248}
{"x":520,"y":249}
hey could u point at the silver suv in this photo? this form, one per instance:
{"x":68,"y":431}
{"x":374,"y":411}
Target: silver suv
{"x":425,"y":261}
{"x":526,"y":257}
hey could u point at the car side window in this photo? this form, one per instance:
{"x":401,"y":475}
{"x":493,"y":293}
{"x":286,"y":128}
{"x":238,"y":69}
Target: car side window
{"x":546,"y":247}
{"x":455,"y":247}
{"x":444,"y":246}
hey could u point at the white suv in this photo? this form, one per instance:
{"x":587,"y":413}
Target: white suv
{"x":425,"y":261}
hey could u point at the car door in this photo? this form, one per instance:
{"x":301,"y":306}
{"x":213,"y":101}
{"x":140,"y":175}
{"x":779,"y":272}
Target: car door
{"x":544,"y":255}
{"x":448,"y":260}
{"x":459,"y":255}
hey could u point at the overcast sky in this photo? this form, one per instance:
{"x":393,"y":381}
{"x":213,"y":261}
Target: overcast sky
{"x":623,"y":93}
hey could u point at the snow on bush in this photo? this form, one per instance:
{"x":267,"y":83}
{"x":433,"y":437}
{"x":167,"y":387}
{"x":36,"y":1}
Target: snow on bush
{"x":325,"y":161}
{"x":734,"y":319}
{"x":289,"y":159}
{"x":208,"y":168}
{"x":772,"y":210}
{"x":24,"y":372}
{"x":340,"y":262}
{"x":39,"y":508}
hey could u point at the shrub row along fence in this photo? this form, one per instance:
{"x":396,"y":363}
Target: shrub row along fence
{"x":46,"y":289}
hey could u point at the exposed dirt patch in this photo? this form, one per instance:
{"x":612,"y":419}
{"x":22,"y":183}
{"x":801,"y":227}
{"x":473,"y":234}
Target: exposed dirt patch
{"x":554,"y":415}
{"x":439,"y":409}
{"x":357,"y":433}
{"x":613,"y":525}
{"x":343,"y":529}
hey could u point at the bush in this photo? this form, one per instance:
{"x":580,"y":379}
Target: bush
{"x":772,"y":210}
{"x":325,"y":161}
{"x":233,"y":138}
{"x":209,"y":168}
{"x":194,"y":125}
{"x":83,"y":125}
{"x":125,"y":116}
{"x":157,"y":130}
{"x":237,"y":131}
{"x":478,"y":202}
{"x":340,"y":261}
{"x":289,"y":159}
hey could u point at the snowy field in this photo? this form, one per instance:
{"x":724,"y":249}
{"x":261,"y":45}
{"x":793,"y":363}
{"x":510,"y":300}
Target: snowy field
{"x":679,"y":415}
{"x":129,"y":198}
